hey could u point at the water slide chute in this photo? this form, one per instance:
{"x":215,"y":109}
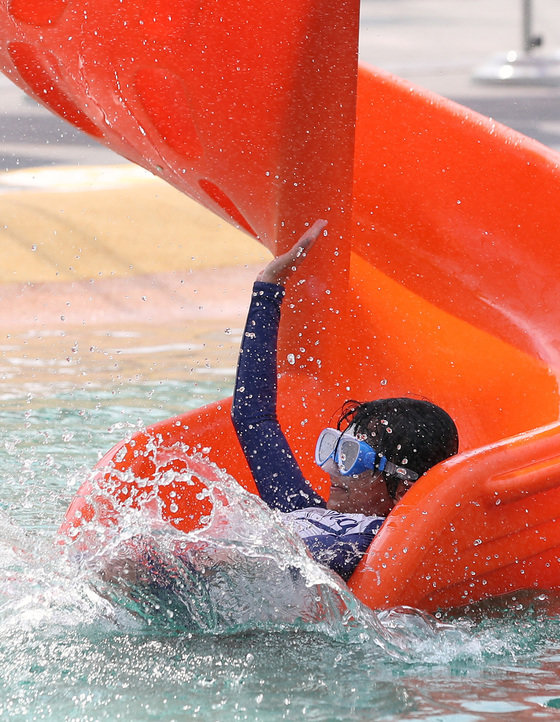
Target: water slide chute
{"x":438,"y":277}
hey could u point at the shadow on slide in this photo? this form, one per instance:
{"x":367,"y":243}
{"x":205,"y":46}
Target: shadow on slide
{"x":438,"y":277}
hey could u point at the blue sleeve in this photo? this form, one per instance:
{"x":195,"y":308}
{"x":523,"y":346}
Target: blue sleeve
{"x":275,"y":470}
{"x":340,"y":554}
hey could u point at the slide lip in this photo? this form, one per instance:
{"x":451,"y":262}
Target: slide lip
{"x":478,"y":525}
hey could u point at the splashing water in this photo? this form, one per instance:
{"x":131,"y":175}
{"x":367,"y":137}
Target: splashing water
{"x":231,"y":621}
{"x":243,"y":570}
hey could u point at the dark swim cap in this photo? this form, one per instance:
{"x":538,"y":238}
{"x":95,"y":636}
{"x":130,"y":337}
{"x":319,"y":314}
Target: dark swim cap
{"x":410,"y":432}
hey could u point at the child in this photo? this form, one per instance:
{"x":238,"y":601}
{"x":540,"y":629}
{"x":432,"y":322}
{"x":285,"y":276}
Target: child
{"x":384,"y":447}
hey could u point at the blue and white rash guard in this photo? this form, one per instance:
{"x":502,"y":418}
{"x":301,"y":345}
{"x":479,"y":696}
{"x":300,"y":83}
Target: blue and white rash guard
{"x":334,"y":539}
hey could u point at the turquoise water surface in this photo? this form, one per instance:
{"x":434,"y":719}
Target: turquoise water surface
{"x":254,"y":632}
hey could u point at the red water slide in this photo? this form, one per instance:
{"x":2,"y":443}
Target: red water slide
{"x":438,"y":278}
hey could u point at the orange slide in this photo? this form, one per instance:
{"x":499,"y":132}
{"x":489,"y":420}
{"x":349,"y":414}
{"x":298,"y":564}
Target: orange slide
{"x":437,"y":278}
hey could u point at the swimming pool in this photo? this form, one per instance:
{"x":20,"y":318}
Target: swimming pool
{"x":70,"y":650}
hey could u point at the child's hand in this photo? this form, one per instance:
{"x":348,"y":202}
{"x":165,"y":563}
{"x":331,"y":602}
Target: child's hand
{"x":281,"y":268}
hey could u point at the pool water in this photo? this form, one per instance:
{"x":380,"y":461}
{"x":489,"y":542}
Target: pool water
{"x":264,"y":634}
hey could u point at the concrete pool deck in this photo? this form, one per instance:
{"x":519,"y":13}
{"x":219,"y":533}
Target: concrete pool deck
{"x":89,"y":285}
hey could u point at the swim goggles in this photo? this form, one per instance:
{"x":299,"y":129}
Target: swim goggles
{"x":353,"y":456}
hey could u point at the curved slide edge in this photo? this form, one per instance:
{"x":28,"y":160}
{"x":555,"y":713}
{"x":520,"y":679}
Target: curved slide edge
{"x":477,"y":526}
{"x":249,"y":109}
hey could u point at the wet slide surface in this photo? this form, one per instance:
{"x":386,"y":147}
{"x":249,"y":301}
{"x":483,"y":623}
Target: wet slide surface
{"x":438,"y":277}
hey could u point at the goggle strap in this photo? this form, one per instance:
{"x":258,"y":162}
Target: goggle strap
{"x":399,"y":472}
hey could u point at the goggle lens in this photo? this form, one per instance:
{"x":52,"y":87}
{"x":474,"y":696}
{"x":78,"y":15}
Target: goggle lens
{"x":348,"y":450}
{"x":344,"y":450}
{"x":326,"y":445}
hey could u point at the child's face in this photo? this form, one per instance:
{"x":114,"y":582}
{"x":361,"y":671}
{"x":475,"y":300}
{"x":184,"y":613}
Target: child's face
{"x":364,"y":493}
